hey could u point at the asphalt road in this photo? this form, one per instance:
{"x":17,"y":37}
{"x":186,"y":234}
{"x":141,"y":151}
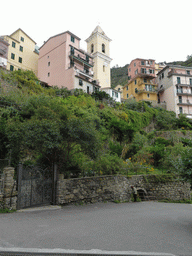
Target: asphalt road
{"x":138,"y":227}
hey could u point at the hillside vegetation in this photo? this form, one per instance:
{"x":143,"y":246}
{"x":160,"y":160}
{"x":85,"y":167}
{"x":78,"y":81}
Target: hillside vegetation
{"x":88,"y":134}
{"x":119,"y":75}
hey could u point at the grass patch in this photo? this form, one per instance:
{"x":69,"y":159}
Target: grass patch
{"x":6,"y":210}
{"x":138,"y":198}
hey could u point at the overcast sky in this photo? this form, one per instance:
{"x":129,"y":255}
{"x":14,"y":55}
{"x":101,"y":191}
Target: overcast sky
{"x":150,"y":29}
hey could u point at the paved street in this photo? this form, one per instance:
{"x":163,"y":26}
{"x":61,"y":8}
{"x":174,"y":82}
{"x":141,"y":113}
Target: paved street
{"x":138,"y":227}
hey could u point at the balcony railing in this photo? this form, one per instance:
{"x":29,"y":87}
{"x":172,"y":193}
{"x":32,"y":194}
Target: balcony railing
{"x":83,"y":58}
{"x":84,"y":73}
{"x":147,"y":91}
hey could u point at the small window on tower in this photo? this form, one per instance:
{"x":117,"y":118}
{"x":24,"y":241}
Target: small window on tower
{"x":103,"y":48}
{"x":103,"y":68}
{"x":92,"y":48}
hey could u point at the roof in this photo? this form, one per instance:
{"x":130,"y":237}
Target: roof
{"x":23,"y":32}
{"x":3,"y":41}
{"x":60,"y":35}
{"x":98,"y":30}
{"x":173,"y":66}
{"x":141,"y":59}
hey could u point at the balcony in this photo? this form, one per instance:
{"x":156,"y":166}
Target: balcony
{"x":184,"y":89}
{"x":84,"y":73}
{"x":3,"y":62}
{"x":146,"y":91}
{"x":185,"y":103}
{"x":78,"y":55}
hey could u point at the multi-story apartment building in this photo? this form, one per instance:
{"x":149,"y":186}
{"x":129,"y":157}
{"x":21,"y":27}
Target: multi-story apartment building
{"x":141,"y":67}
{"x":141,"y":81}
{"x":22,"y":52}
{"x":62,"y":63}
{"x":3,"y":52}
{"x":175,"y":88}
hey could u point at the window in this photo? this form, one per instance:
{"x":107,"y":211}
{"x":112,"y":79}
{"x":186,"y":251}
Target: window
{"x":72,"y":50}
{"x":151,"y":71}
{"x":148,"y":96}
{"x":129,"y":69}
{"x":135,"y":81}
{"x":127,"y":87}
{"x":13,"y":44}
{"x":136,"y":91}
{"x":148,"y":87}
{"x":103,"y":68}
{"x":162,"y":75}
{"x":49,"y":74}
{"x":11,"y":67}
{"x":48,"y":63}
{"x":180,"y":99}
{"x":134,"y":64}
{"x":86,"y":70}
{"x":136,"y":72}
{"x":143,"y":70}
{"x":88,"y":89}
{"x":22,"y":39}
{"x":20,"y":60}
{"x":72,"y":39}
{"x":87,"y":58}
{"x":179,"y":89}
{"x":180,"y":110}
{"x":142,"y":62}
{"x":190,"y":81}
{"x":145,"y":80}
{"x":92,"y":48}
{"x":151,"y":62}
{"x":80,"y":82}
{"x":178,"y":80}
{"x":103,"y":48}
{"x":12,"y":56}
{"x":127,"y":95}
{"x":188,"y":72}
{"x":71,"y":63}
{"x":21,"y":48}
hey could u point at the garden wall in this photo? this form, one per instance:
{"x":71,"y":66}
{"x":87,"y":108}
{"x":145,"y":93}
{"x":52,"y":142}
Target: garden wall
{"x":117,"y":188}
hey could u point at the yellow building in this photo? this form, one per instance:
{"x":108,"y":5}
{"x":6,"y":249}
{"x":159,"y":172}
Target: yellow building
{"x":140,"y":88}
{"x":22,"y":52}
{"x":98,"y":46}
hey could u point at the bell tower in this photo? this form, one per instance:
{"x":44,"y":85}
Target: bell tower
{"x":98,"y":46}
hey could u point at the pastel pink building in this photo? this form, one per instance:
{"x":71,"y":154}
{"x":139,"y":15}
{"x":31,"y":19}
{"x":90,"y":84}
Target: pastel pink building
{"x":141,"y":67}
{"x":3,"y":52}
{"x":62,"y":63}
{"x":175,"y":89}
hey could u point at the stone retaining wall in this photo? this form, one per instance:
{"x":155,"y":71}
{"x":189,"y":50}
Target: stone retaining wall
{"x":93,"y":189}
{"x":112,"y":188}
